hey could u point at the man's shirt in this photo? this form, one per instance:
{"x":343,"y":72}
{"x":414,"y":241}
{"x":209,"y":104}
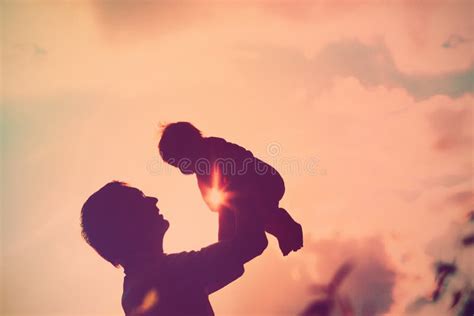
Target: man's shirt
{"x":179,"y":284}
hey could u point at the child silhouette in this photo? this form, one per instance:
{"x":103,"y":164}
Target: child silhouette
{"x":231,"y":179}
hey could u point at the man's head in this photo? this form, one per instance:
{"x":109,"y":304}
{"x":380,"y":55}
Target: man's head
{"x":180,"y":145}
{"x":118,"y":221}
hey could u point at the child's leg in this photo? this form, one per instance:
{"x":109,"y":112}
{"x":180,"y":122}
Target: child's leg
{"x":288,"y":232}
{"x":227,"y":217}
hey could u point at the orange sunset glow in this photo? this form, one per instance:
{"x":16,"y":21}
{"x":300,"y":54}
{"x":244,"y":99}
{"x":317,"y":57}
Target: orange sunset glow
{"x":365,"y":108}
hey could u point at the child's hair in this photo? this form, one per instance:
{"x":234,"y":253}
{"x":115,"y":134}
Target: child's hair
{"x":107,"y":222}
{"x":176,"y":138}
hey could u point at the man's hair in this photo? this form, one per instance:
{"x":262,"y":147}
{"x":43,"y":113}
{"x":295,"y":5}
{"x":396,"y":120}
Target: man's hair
{"x":108,"y":222}
{"x":175,"y":139}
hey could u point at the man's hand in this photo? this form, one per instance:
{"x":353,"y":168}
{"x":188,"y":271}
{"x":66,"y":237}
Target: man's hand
{"x":250,"y":239}
{"x":226,"y":224}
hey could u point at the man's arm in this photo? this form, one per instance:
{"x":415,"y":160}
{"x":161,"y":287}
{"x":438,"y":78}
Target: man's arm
{"x":226,"y":224}
{"x":221,"y":263}
{"x":249,"y":240}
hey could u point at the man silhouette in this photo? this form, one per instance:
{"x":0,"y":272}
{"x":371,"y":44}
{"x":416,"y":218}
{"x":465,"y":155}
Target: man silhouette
{"x":126,"y":228}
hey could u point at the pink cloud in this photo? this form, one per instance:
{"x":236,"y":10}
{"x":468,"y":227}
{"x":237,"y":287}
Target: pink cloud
{"x":453,"y":128}
{"x":370,"y":276}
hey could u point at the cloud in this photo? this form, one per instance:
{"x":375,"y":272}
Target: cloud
{"x":453,"y":128}
{"x":454,"y":40}
{"x":358,"y":273}
{"x":15,"y":51}
{"x":453,"y":135}
{"x":129,"y":17}
{"x":279,"y":290}
{"x":453,"y":290}
{"x":448,"y":180}
{"x":364,"y":270}
{"x":372,"y":64}
{"x":39,"y":50}
{"x":169,"y":15}
{"x":463,"y":198}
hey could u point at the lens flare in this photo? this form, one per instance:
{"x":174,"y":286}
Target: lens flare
{"x":150,"y":300}
{"x":217,"y":196}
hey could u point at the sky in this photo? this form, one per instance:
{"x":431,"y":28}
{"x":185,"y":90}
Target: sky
{"x":365,"y":108}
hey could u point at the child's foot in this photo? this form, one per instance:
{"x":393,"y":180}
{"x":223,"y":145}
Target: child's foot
{"x":292,"y":241}
{"x":288,"y":232}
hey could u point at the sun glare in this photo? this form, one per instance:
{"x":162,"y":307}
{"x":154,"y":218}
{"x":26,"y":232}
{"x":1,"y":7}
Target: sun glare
{"x":149,"y":301}
{"x":217,"y":195}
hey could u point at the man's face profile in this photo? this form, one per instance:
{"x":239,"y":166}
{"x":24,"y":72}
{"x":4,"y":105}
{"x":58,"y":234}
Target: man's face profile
{"x":145,"y":209}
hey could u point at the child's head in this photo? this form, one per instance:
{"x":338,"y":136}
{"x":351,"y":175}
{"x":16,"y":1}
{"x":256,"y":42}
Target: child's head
{"x":180,"y":145}
{"x":118,"y":221}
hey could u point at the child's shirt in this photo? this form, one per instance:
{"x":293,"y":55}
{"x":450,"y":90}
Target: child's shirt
{"x":236,"y":170}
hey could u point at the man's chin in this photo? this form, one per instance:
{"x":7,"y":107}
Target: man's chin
{"x":166,"y":225}
{"x":162,"y":226}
